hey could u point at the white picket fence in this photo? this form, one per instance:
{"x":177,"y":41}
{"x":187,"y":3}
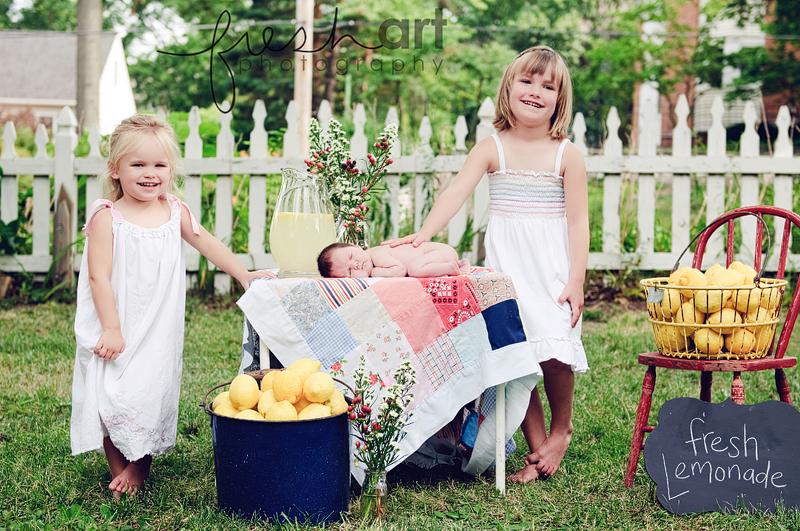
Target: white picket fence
{"x":607,"y":170}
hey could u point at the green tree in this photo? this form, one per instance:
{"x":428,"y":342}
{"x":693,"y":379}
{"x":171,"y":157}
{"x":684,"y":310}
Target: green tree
{"x":619,"y":57}
{"x":181,"y":75}
{"x":55,"y":15}
{"x":775,"y":68}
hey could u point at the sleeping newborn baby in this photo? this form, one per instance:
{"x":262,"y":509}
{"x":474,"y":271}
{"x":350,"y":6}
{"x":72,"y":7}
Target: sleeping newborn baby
{"x":430,"y":259}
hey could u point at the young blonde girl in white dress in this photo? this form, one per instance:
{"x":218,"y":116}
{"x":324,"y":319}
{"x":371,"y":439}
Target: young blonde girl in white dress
{"x":131,"y":301}
{"x":538,"y":233}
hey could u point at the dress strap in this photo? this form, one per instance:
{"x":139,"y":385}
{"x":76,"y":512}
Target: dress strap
{"x":97,"y":206}
{"x":560,"y":153}
{"x":500,"y":152}
{"x":177,"y":203}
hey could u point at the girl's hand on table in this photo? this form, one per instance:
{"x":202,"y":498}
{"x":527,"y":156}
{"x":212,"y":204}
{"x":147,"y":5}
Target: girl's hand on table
{"x":252,"y":275}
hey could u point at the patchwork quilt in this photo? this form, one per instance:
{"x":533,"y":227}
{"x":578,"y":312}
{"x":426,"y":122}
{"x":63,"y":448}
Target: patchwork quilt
{"x":462,"y":334}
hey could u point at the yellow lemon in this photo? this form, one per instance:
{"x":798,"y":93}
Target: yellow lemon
{"x":688,"y":314}
{"x":670,"y":303}
{"x":748,"y":272}
{"x":266,"y":401}
{"x":770,"y":297}
{"x":304,"y":367}
{"x":654,"y":309}
{"x":266,"y":381}
{"x":763,"y":334}
{"x":301,"y":404}
{"x":283,"y":410}
{"x":287,"y":386}
{"x":219,"y":399}
{"x":746,"y":300}
{"x":693,"y":278}
{"x":734,"y":278}
{"x":723,"y":317}
{"x":763,"y":337}
{"x":314,"y":411}
{"x":244,"y":392}
{"x":226,"y":409}
{"x":759,"y":315}
{"x":708,"y":341}
{"x":675,"y":276}
{"x":249,"y":414}
{"x":712,"y":274}
{"x":740,"y":342}
{"x":336,"y":394}
{"x":719,"y":276}
{"x":336,"y":402}
{"x":710,"y":300}
{"x":672,"y":338}
{"x":318,"y":387}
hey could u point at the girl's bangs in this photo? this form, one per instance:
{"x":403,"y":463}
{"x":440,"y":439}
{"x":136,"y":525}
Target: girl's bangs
{"x":539,"y":62}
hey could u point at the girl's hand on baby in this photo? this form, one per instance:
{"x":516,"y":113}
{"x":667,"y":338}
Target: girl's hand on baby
{"x":110,"y":345}
{"x":415,"y":238}
{"x":574,"y":296}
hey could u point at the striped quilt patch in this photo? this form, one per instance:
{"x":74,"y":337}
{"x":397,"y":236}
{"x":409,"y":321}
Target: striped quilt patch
{"x":337,"y":291}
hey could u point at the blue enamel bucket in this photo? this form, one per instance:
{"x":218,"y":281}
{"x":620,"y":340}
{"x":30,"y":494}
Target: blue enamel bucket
{"x":284,"y":471}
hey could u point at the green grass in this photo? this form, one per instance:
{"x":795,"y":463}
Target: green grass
{"x":43,"y":487}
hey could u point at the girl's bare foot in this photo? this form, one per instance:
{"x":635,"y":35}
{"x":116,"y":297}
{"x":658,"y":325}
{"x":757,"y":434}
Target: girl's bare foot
{"x":526,"y":474}
{"x":131,"y":479}
{"x":549,"y":455}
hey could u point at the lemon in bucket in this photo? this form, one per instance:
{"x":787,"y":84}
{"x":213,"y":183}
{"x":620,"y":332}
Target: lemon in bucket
{"x":244,"y":392}
{"x":318,"y":387}
{"x":287,"y":386}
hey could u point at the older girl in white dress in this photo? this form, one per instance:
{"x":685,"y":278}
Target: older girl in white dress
{"x":538,"y":233}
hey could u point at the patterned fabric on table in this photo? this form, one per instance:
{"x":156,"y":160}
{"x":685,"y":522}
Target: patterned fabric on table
{"x":462,"y":335}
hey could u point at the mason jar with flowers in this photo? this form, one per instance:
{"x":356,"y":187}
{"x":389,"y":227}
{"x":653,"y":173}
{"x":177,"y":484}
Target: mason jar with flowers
{"x":350,"y":186}
{"x":379,"y":418}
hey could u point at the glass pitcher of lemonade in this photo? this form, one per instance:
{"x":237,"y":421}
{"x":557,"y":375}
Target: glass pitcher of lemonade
{"x":302,"y":224}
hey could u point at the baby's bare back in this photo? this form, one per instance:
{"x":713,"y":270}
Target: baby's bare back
{"x":407,"y":253}
{"x":429,"y":259}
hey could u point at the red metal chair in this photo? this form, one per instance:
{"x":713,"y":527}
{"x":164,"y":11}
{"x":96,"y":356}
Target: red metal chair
{"x":775,"y":361}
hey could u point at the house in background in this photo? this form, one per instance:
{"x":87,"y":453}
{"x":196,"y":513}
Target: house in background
{"x":40,"y":73}
{"x":701,"y":96}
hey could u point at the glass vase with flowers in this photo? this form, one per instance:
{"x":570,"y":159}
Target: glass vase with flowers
{"x":350,"y":183}
{"x":379,"y":418}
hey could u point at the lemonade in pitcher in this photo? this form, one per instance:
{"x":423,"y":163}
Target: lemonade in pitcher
{"x":296,"y":240}
{"x":302,"y":224}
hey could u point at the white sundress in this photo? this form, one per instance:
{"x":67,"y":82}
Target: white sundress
{"x":527,"y":238}
{"x":133,"y":399}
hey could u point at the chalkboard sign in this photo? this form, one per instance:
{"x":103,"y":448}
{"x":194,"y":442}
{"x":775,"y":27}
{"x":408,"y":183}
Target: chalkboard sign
{"x":721,"y":457}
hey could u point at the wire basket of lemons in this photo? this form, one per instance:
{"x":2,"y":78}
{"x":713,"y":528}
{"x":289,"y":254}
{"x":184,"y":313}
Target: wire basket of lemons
{"x":720,"y":314}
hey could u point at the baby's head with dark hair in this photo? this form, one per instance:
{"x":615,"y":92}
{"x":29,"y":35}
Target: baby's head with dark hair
{"x":325,"y":258}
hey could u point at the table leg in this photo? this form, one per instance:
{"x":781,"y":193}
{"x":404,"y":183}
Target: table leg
{"x":500,"y":436}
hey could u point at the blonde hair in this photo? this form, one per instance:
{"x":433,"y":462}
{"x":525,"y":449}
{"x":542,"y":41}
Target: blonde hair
{"x":127,"y":137}
{"x":537,"y":60}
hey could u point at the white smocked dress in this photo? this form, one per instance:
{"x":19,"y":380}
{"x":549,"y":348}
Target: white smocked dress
{"x":527,"y":238}
{"x":133,"y":399}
